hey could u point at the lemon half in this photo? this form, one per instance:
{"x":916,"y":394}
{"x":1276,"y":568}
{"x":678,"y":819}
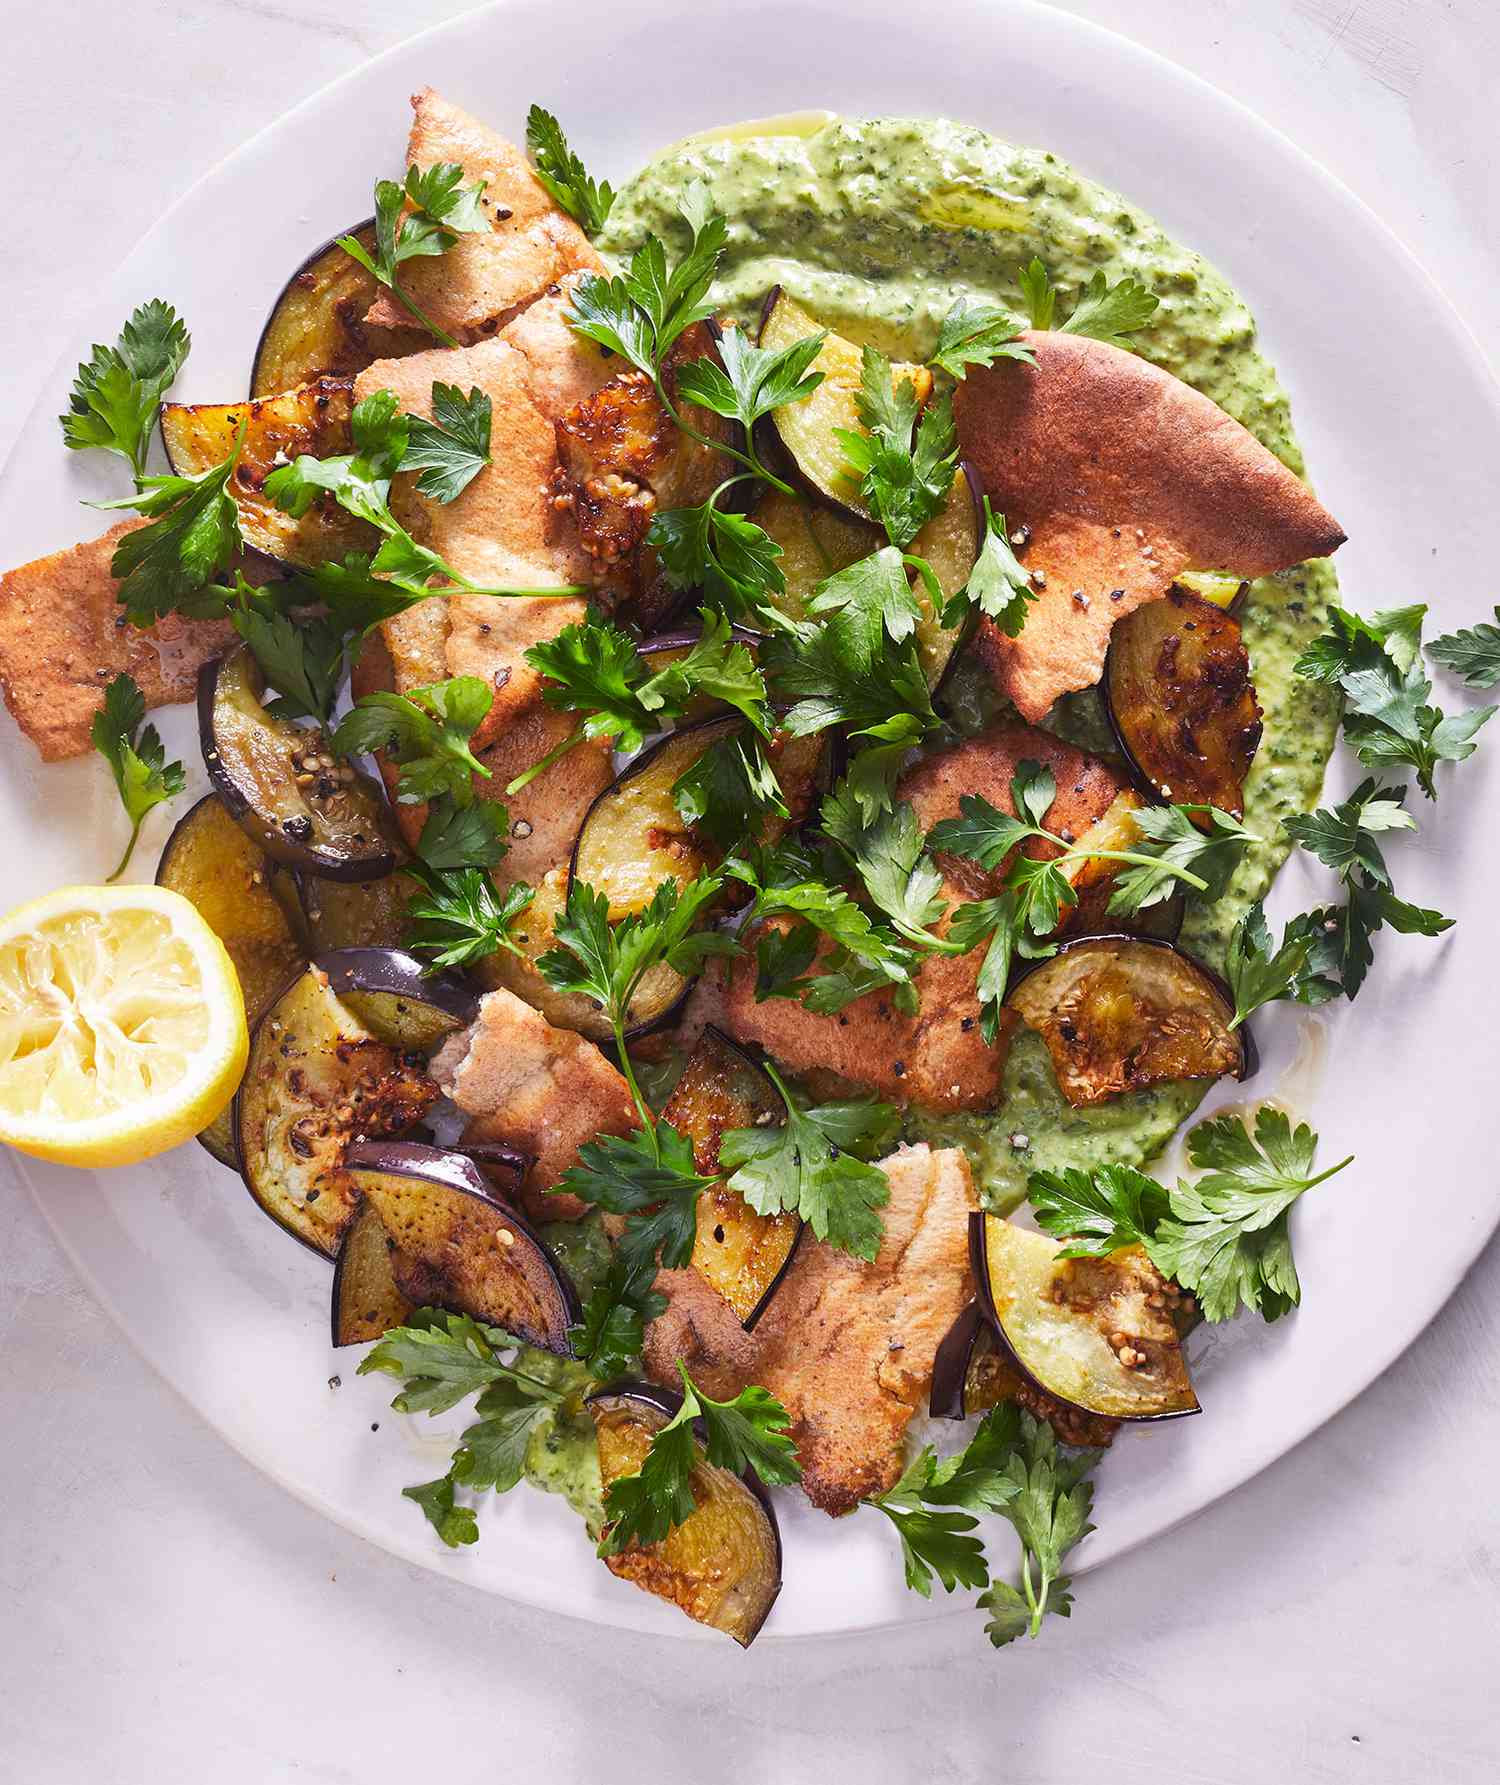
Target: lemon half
{"x":122,"y":1027}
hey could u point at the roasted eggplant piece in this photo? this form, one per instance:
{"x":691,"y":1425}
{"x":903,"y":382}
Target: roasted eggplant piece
{"x":503,"y":1167}
{"x":455,"y":1245}
{"x":970,"y":1374}
{"x":317,"y":326}
{"x":632,"y":838}
{"x":1093,"y":880}
{"x":317,"y":1081}
{"x":397,"y":999}
{"x":722,"y":1564}
{"x":354,"y":913}
{"x":313,"y":418}
{"x":275,"y":782}
{"x":214,"y":864}
{"x":807,"y":429}
{"x":1119,"y":1013}
{"x":1178,"y":689}
{"x":741,"y":1254}
{"x":1097,"y":1333}
{"x":950,"y":543}
{"x":367,"y":1302}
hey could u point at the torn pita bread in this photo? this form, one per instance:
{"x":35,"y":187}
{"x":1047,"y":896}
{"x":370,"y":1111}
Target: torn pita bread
{"x":846,"y":1346}
{"x":484,"y":278}
{"x":64,"y":637}
{"x":1125,"y":477}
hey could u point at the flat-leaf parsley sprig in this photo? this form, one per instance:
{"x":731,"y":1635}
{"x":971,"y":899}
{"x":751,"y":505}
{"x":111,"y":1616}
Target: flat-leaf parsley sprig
{"x":421,"y":218}
{"x":588,"y":202}
{"x":136,"y":758}
{"x":117,"y":390}
{"x":750,"y":1431}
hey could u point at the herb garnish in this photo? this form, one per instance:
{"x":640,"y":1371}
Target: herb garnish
{"x":136,"y":757}
{"x":750,"y":1431}
{"x":1102,"y":311}
{"x":978,"y":335}
{"x":422,"y":218}
{"x":454,"y":447}
{"x":117,"y":390}
{"x":587,"y":202}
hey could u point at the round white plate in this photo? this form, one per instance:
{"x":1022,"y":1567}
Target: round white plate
{"x":1401,"y":427}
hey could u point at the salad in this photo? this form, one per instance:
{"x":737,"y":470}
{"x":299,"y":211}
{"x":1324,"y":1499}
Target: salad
{"x":748,"y":722}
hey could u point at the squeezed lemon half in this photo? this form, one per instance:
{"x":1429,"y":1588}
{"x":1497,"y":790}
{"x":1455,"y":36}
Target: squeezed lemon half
{"x":122,"y":1027}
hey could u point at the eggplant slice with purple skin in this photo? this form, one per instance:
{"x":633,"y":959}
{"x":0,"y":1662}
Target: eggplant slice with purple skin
{"x":454,"y":1244}
{"x":367,"y":1302}
{"x":970,"y":1374}
{"x":314,"y":419}
{"x":354,"y":913}
{"x":722,"y":1564}
{"x":317,"y":1081}
{"x":398,"y":999}
{"x":1096,"y":1333}
{"x":1121,"y":1013}
{"x":317,"y":326}
{"x":806,"y":430}
{"x":1178,"y":690}
{"x":238,"y":892}
{"x":741,"y":1254}
{"x":274,"y":781}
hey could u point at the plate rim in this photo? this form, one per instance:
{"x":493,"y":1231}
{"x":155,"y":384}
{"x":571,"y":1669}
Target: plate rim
{"x":1316,"y":1412}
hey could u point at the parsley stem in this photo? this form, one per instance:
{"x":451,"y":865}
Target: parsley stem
{"x":643,"y":1109}
{"x":748,"y":459}
{"x":124,"y":863}
{"x":425,"y":320}
{"x":1132,"y":859}
{"x":543,"y":763}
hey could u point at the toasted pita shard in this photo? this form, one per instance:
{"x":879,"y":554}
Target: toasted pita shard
{"x":938,"y":1058}
{"x":545,"y":1091}
{"x":64,"y":637}
{"x":1125,"y":476}
{"x":485,"y":277}
{"x":846,"y":1346}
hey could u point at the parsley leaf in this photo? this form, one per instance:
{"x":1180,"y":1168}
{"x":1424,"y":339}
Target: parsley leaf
{"x":730,"y":558}
{"x":1173,"y":848}
{"x":454,"y":447}
{"x":999,"y":585}
{"x":1260,"y":974}
{"x":752,"y":381}
{"x":875,"y":596}
{"x":750,"y":1431}
{"x":890,"y":855}
{"x":422,"y":218}
{"x":1473,"y":653}
{"x":905,"y":478}
{"x":810,"y":1166}
{"x":648,"y":1174}
{"x":460,"y":917}
{"x":729,"y":790}
{"x":1038,"y":293}
{"x":117,"y":390}
{"x":563,"y":174}
{"x":1097,"y":1211}
{"x":1227,"y":1239}
{"x":443,"y":1358}
{"x":615,"y":1316}
{"x":1108,"y":312}
{"x":302,"y":656}
{"x":136,"y":757}
{"x":193,"y":536}
{"x":1388,"y":720}
{"x":932,"y":1541}
{"x":427,"y":732}
{"x":978,"y":335}
{"x":454,"y":836}
{"x":1050,"y":1510}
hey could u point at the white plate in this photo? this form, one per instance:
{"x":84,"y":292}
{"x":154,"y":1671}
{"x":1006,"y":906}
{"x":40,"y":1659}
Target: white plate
{"x":1400,"y":424}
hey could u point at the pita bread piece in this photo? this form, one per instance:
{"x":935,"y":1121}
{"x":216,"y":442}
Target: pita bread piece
{"x":64,"y":637}
{"x":484,"y":278}
{"x":1125,"y":476}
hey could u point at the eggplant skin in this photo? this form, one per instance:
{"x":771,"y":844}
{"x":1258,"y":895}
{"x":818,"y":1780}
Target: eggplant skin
{"x":971,"y":1374}
{"x":396,"y":999}
{"x":1084,"y":1331}
{"x":1121,"y":1013}
{"x":455,"y":1245}
{"x":367,"y":1302}
{"x":214,"y":864}
{"x":325,"y":823}
{"x":317,"y":1080}
{"x":722,"y":1565}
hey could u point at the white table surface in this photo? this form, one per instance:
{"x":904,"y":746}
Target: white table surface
{"x":167,"y":1615}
